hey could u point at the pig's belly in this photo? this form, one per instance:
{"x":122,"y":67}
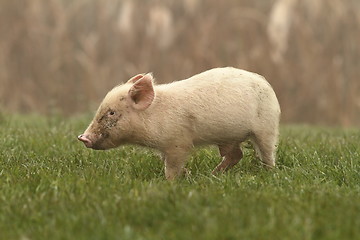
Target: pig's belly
{"x":220,"y":133}
{"x":225,"y":124}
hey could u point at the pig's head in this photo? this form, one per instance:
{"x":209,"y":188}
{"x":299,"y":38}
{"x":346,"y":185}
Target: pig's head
{"x":116,"y":119}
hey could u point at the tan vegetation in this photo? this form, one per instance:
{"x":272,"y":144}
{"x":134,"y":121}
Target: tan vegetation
{"x":63,"y":56}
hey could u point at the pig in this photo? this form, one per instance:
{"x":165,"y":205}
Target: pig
{"x":221,"y":106}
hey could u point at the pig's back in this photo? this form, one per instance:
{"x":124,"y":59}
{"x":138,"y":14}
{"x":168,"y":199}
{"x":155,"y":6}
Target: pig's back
{"x":220,"y":79}
{"x":221,"y":104}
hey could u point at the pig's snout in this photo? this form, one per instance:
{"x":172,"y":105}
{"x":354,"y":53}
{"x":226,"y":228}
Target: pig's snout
{"x":85,"y":139}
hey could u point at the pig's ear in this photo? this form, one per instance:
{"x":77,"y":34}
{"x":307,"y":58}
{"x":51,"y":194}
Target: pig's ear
{"x":142,"y":94}
{"x":135,"y":78}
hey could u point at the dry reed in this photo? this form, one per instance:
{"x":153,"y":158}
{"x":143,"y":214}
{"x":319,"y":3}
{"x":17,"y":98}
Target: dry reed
{"x":63,"y":56}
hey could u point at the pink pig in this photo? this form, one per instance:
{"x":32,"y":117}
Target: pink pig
{"x":222,"y":106}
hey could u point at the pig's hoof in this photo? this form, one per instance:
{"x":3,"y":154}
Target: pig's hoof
{"x":187,"y":172}
{"x":218,"y":170}
{"x":268,"y":166}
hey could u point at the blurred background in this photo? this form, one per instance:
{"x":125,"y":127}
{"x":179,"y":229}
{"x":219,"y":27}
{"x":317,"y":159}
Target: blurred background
{"x":62,"y":56}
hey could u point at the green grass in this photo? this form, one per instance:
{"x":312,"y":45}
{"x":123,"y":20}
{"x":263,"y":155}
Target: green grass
{"x":52,"y":187}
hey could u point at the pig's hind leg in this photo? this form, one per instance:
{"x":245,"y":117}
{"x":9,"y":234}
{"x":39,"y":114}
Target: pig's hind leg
{"x":231,"y":155}
{"x":265,"y":146}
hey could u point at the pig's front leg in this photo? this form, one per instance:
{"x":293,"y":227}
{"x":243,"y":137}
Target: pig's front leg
{"x":175,"y":159}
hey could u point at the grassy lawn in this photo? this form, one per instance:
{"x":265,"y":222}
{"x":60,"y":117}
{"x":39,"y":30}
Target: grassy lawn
{"x":52,"y":187}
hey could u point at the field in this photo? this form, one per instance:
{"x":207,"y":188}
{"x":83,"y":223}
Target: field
{"x":58,"y":58}
{"x":51,"y":187}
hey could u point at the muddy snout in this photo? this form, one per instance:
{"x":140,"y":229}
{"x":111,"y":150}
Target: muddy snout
{"x":86,"y":140}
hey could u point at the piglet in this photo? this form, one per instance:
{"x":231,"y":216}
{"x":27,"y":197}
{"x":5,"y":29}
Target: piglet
{"x":221,"y":106}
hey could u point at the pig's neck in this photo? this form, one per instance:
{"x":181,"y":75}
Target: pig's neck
{"x":152,"y":125}
{"x":145,"y":132}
